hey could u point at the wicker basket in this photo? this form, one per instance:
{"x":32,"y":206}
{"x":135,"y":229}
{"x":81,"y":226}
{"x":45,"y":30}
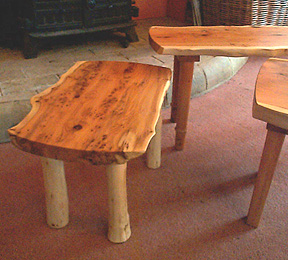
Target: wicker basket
{"x":272,"y":12}
{"x":244,"y":12}
{"x":226,"y":12}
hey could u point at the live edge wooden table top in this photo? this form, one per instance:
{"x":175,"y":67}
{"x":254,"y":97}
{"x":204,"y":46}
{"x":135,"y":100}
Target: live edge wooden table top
{"x":101,"y":111}
{"x":188,"y":43}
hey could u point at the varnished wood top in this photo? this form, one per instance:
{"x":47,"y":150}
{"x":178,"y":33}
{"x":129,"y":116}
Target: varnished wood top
{"x":234,"y":41}
{"x":103,"y":112}
{"x":271,"y":93}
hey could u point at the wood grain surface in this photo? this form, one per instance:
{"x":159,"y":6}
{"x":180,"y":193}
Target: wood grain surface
{"x":271,"y":93}
{"x":234,"y":41}
{"x":103,"y":112}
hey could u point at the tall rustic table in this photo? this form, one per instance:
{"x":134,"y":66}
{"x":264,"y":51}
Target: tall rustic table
{"x":188,"y":43}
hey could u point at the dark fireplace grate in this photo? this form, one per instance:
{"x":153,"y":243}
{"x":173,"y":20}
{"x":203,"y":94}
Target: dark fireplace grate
{"x":50,"y":18}
{"x":57,"y":15}
{"x":107,"y":12}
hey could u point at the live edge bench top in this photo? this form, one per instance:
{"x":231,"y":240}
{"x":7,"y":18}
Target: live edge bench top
{"x":103,"y":112}
{"x":234,"y":41}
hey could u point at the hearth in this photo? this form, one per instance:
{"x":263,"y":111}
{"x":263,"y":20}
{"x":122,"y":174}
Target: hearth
{"x":50,"y":18}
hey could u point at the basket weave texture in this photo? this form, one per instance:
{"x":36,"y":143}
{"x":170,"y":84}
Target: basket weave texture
{"x":273,"y":12}
{"x":244,"y":12}
{"x":226,"y":12}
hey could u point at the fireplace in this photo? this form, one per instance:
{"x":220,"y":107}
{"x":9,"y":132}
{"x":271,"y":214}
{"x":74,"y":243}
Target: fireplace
{"x":51,"y":18}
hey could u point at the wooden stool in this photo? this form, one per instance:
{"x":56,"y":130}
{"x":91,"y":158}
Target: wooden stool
{"x":103,"y":112}
{"x":271,"y":106}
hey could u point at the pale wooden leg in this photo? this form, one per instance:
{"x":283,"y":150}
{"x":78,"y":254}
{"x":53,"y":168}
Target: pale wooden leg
{"x":271,"y":152}
{"x":154,"y":148}
{"x":119,"y":226}
{"x":55,"y":192}
{"x":186,"y":68}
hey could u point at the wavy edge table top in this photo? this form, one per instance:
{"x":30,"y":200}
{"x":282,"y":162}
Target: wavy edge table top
{"x":100,"y":111}
{"x":234,"y":41}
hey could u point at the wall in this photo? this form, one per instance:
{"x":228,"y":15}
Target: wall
{"x":176,"y":9}
{"x":151,"y":8}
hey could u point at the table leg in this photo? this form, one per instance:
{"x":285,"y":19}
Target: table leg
{"x":56,"y":195}
{"x":119,"y":225}
{"x":175,"y":90}
{"x":154,"y":148}
{"x":182,"y":92}
{"x":272,"y":148}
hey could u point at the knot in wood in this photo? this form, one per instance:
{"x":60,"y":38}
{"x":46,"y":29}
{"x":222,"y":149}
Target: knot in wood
{"x":77,"y":127}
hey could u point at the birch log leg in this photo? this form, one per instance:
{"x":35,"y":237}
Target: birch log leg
{"x":186,"y":68}
{"x":271,"y":152}
{"x":119,"y":226}
{"x":154,"y":148}
{"x":55,"y":192}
